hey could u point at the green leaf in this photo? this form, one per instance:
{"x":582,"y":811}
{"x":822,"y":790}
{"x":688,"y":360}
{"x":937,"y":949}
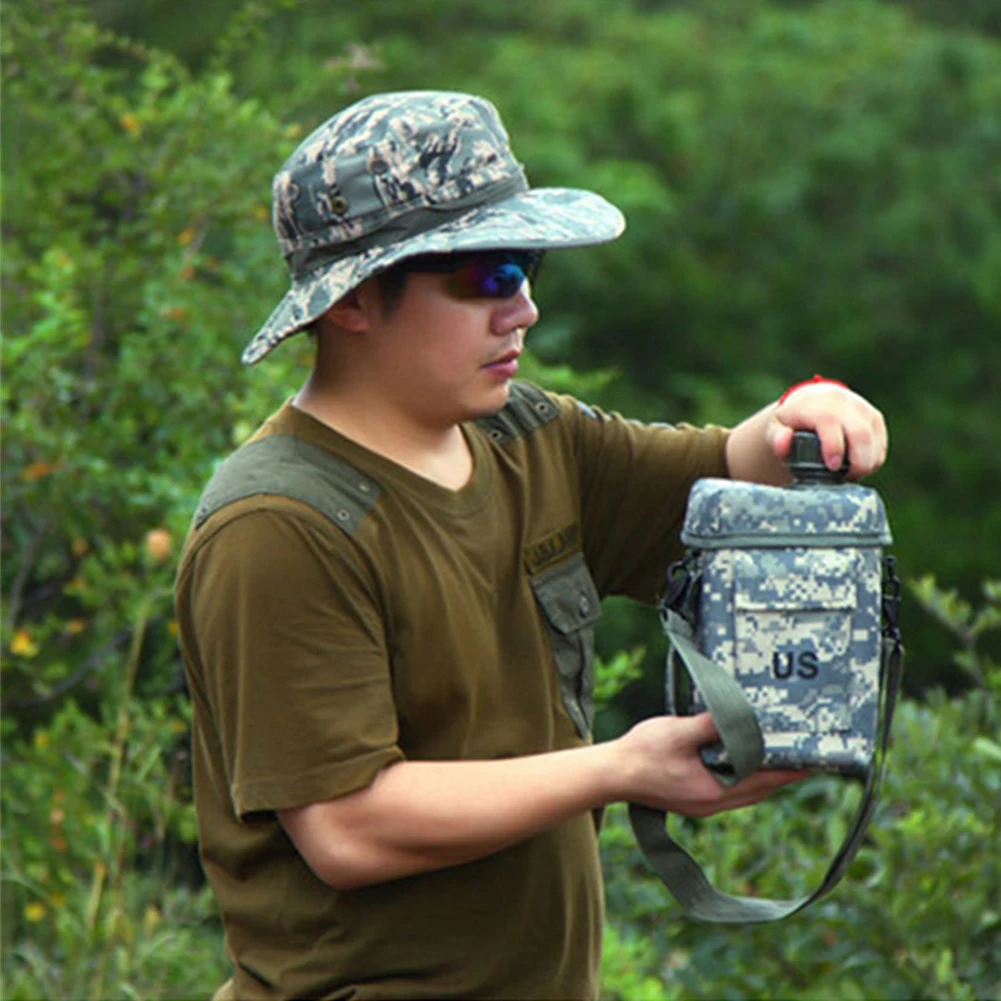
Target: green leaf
{"x":987,"y":749}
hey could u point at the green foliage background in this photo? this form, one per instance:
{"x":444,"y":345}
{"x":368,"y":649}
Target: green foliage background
{"x":810,"y":185}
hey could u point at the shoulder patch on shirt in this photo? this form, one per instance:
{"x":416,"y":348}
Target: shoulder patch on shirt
{"x":286,"y":466}
{"x":528,"y":409}
{"x":552,"y":548}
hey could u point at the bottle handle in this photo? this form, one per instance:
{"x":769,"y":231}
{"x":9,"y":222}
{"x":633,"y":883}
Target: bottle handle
{"x":806,"y":461}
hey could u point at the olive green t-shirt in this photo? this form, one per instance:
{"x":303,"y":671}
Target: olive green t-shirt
{"x":436,"y":625}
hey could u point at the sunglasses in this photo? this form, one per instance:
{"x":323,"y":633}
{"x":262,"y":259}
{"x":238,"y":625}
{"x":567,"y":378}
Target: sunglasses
{"x":481,"y":274}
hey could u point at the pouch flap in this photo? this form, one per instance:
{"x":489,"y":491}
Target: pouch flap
{"x":732,"y":512}
{"x":782,"y":581}
{"x":567,"y":595}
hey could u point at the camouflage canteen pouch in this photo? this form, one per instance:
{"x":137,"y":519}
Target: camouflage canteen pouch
{"x":781,"y":622}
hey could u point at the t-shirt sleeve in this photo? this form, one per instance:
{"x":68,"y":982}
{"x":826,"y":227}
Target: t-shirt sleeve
{"x":282,"y":625}
{"x":634,"y":482}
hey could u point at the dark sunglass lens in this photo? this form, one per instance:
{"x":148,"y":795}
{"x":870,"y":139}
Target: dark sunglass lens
{"x":528,"y":261}
{"x":502,"y":281}
{"x":481,"y":274}
{"x":445,"y":264}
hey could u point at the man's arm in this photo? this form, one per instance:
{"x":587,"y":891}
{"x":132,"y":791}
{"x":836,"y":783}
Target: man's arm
{"x":756,"y":447}
{"x":419,"y":816}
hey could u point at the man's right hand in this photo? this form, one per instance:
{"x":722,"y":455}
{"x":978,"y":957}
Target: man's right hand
{"x":661,"y":768}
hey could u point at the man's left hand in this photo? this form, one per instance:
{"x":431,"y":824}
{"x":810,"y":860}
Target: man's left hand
{"x":841,"y":418}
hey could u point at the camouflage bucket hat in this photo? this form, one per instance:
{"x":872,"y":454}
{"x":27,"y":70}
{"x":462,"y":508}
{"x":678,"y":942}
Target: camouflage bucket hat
{"x":402,"y":174}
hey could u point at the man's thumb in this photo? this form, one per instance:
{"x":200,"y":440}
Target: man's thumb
{"x":699,"y":729}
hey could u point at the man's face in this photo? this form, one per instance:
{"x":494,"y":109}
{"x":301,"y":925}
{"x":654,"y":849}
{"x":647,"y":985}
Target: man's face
{"x":444,"y":355}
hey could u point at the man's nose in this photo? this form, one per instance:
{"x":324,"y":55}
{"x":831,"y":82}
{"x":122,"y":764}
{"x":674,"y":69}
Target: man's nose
{"x":518,"y":311}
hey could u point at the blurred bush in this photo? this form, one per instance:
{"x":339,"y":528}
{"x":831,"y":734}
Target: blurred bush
{"x":137,"y":245}
{"x":138,"y":259}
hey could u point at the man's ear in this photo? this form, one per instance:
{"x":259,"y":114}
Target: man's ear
{"x":350,"y":312}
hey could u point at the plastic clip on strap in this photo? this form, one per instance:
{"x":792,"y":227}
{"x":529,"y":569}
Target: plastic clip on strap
{"x":741,"y":736}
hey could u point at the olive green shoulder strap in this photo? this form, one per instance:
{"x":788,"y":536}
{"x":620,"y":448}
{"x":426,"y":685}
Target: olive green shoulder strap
{"x":289,"y":467}
{"x":528,"y":409}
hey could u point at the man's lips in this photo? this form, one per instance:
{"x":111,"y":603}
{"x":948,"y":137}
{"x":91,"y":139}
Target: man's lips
{"x":508,"y":358}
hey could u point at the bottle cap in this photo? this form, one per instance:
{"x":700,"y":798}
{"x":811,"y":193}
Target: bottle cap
{"x":806,"y":461}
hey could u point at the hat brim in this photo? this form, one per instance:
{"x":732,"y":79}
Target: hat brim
{"x":537,"y":219}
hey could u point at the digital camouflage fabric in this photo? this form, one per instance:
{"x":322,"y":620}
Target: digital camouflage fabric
{"x":779,"y":615}
{"x":790,"y":604}
{"x":401,"y":174}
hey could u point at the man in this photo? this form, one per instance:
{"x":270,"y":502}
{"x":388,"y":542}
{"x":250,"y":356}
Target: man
{"x":387,"y":599}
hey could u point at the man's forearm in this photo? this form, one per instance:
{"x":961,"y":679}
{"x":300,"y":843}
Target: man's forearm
{"x":422,"y":815}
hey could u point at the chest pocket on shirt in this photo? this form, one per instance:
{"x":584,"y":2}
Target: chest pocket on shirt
{"x":570,"y":604}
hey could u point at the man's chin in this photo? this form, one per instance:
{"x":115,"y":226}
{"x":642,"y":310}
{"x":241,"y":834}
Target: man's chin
{"x":492,"y":402}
